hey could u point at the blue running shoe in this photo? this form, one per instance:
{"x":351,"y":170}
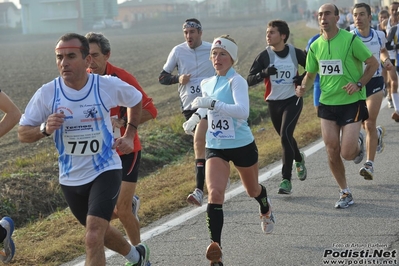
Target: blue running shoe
{"x":8,"y":248}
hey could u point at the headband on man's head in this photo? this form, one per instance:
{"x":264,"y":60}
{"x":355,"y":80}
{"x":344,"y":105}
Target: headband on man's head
{"x":227,"y":45}
{"x":191,"y":24}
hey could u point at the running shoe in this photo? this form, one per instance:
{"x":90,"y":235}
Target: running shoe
{"x":136,"y":206}
{"x":395,"y":116}
{"x":359,"y":157}
{"x":301,"y":171}
{"x":345,"y":200}
{"x":381,"y":133}
{"x":390,"y":103}
{"x":367,"y":171}
{"x":144,"y":252}
{"x":7,"y":247}
{"x":214,"y":254}
{"x":285,"y":187}
{"x":196,"y":197}
{"x":267,"y":220}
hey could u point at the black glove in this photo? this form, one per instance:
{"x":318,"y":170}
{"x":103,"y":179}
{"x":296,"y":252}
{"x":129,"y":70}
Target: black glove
{"x":298,"y":79}
{"x":270,"y":71}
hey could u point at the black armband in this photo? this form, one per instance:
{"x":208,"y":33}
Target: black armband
{"x":166,"y":78}
{"x":389,"y":46}
{"x":175,"y":79}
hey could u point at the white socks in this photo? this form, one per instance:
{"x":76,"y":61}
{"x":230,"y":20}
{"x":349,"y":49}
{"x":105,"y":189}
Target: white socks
{"x":395,"y":100}
{"x":133,"y":256}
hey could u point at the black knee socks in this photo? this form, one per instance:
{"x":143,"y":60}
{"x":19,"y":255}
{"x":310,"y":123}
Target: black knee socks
{"x":262,"y":200}
{"x":214,"y":221}
{"x":200,"y":173}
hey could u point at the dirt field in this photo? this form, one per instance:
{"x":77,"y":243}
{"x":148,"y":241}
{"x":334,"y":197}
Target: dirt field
{"x":27,"y":62}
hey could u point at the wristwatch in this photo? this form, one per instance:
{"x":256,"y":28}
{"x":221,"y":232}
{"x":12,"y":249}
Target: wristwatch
{"x":360,"y":85}
{"x":43,"y":129}
{"x":213,"y":104}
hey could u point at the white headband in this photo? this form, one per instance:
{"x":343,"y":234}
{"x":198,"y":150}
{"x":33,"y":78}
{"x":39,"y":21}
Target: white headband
{"x":227,"y":45}
{"x":192,"y":24}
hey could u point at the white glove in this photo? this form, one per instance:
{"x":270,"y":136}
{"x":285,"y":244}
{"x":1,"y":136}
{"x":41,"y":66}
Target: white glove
{"x":203,"y":102}
{"x":190,"y":124}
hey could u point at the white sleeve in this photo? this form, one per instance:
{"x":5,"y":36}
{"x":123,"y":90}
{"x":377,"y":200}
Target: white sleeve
{"x":240,"y":108}
{"x":171,"y":62}
{"x":121,"y":94}
{"x":39,"y":107}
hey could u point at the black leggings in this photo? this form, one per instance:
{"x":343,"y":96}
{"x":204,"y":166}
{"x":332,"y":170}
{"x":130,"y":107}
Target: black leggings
{"x":284,"y":115}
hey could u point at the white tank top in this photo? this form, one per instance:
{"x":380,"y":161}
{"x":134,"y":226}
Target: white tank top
{"x":84,"y":141}
{"x":375,"y":42}
{"x":282,"y":85}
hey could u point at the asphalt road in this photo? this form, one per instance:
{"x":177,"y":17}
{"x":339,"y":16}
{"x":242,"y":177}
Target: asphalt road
{"x":308,"y":230}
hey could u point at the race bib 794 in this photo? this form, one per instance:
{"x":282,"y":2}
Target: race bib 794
{"x":331,"y":67}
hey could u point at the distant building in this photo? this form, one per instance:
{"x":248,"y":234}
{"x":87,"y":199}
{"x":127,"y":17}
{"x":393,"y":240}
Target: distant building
{"x":10,"y":16}
{"x":60,"y":16}
{"x":132,"y":12}
{"x":386,"y":2}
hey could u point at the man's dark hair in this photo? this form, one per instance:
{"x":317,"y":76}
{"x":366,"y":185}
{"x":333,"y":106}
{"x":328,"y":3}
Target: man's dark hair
{"x":282,"y":27}
{"x":100,"y":40}
{"x":366,"y":6}
{"x":84,"y":48}
{"x":336,"y":10}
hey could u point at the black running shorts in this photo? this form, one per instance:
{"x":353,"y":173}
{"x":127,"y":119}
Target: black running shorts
{"x":245,"y":156}
{"x":97,"y":198}
{"x":344,"y":114}
{"x":130,"y":166}
{"x":375,"y":85}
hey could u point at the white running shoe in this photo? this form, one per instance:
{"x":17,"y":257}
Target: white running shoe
{"x":267,"y":220}
{"x":381,"y":133}
{"x":136,"y":206}
{"x":7,"y":248}
{"x":359,"y":157}
{"x":367,"y":171}
{"x":345,"y":200}
{"x":196,"y":197}
{"x":214,"y":254}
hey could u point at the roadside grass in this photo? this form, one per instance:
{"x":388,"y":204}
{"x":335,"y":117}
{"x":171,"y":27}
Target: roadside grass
{"x":56,"y":237}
